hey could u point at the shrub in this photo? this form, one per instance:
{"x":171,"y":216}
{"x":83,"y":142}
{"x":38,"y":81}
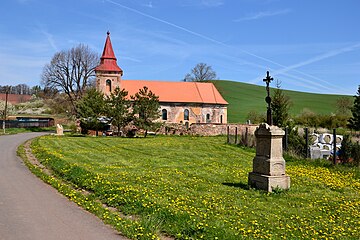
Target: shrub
{"x":256,"y":117}
{"x":296,"y":142}
{"x":310,"y":119}
{"x":345,"y":149}
{"x":355,"y":153}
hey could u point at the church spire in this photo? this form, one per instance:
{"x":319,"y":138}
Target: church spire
{"x":108,"y":60}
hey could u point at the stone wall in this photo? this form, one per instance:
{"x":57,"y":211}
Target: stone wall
{"x":207,"y":129}
{"x":197,"y":113}
{"x":221,"y":129}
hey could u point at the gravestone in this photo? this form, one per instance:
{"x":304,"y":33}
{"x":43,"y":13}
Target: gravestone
{"x":269,"y":165}
{"x":59,"y":130}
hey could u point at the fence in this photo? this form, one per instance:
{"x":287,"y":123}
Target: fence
{"x":316,"y":145}
{"x":243,"y":135}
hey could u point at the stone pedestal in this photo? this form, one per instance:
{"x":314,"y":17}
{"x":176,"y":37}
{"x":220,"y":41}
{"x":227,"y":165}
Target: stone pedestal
{"x":269,"y":165}
{"x":59,"y":130}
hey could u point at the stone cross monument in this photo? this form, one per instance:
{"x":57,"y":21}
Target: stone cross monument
{"x":267,"y":80}
{"x":269,"y":165}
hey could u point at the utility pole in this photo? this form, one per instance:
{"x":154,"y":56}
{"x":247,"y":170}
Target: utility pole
{"x":5,"y":110}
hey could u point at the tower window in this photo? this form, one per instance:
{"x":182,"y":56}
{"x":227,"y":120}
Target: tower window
{"x":221,"y":118}
{"x":164,"y":114}
{"x":108,"y":86}
{"x":186,"y":114}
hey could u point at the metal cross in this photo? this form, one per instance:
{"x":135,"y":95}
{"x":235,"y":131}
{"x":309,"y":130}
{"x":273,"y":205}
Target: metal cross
{"x":267,"y":80}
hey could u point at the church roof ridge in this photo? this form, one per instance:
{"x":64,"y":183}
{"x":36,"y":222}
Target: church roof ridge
{"x":173,"y":91}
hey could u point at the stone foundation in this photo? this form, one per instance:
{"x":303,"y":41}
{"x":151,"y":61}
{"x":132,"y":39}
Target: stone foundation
{"x":268,"y":183}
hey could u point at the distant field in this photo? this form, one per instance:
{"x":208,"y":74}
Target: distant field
{"x":243,"y":98}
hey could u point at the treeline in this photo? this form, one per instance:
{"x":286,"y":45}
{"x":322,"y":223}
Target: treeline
{"x":21,"y":89}
{"x":347,"y":114}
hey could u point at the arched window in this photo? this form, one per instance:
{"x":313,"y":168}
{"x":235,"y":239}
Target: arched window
{"x":208,"y":118}
{"x":108,"y":86}
{"x":164,"y":114}
{"x":186,"y":114}
{"x":221,"y":118}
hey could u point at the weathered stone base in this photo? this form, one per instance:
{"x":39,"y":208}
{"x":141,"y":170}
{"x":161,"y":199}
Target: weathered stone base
{"x":268,"y":183}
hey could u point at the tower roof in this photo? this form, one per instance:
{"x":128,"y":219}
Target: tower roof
{"x":108,"y":59}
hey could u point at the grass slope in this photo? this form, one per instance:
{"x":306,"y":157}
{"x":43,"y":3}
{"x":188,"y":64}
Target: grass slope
{"x":243,"y":98}
{"x":196,"y":188}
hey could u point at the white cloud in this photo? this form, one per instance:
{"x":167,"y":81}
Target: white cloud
{"x":259,"y":15}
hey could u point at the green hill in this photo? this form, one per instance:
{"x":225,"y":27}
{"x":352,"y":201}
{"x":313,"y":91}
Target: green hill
{"x":243,"y":98}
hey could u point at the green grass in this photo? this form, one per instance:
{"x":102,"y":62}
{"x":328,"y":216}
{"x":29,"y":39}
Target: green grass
{"x":25,"y":130}
{"x":243,"y":98}
{"x":196,"y":187}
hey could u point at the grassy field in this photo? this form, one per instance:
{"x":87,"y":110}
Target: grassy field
{"x":196,"y":188}
{"x":243,"y":98}
{"x":24,"y":130}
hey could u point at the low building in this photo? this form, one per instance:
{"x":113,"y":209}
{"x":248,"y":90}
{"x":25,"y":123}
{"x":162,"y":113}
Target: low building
{"x":180,"y":102}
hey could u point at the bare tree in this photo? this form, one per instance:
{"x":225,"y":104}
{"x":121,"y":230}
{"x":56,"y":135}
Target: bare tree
{"x":71,"y":72}
{"x":200,"y":73}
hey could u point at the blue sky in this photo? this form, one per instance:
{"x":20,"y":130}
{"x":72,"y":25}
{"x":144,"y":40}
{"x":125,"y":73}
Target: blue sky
{"x":308,"y":45}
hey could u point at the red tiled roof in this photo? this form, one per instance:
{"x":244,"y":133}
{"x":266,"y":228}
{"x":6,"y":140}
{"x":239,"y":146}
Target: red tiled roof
{"x":181,"y":92}
{"x":108,"y":59}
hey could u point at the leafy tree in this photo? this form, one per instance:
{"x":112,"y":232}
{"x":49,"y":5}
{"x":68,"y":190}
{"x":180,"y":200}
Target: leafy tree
{"x":118,"y":108}
{"x":343,"y":106}
{"x":90,"y":108}
{"x":354,"y":121}
{"x":201,"y":73}
{"x":71,"y":72}
{"x":280,"y":106}
{"x":146,"y":108}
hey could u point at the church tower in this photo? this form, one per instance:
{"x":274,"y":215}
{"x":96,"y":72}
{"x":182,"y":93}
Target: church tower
{"x":108,"y":73}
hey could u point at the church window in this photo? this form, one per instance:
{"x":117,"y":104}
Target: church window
{"x":108,"y":85}
{"x":164,"y":114}
{"x":208,"y":118}
{"x":221,"y":118}
{"x":186,"y":114}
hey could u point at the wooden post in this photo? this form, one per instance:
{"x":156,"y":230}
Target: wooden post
{"x":334,"y":146}
{"x":228,"y":134}
{"x":246,"y":137}
{"x":236,"y":135}
{"x":307,"y":142}
{"x":286,"y":138}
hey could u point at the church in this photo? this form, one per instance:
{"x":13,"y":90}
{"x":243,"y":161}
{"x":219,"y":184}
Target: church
{"x":180,"y":102}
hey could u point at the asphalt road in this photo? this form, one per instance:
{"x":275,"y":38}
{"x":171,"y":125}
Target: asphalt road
{"x":31,"y":209}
